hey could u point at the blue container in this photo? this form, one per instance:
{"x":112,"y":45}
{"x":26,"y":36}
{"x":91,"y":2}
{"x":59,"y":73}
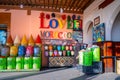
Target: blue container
{"x":36,"y":51}
{"x":21,"y":51}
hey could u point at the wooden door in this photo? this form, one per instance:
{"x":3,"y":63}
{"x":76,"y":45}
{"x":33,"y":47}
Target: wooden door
{"x":5,"y":18}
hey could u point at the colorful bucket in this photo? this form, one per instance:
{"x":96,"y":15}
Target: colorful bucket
{"x":28,"y":62}
{"x":118,"y":66}
{"x":11,"y":62}
{"x":29,"y":51}
{"x":21,"y":50}
{"x":96,"y":54}
{"x":19,"y":63}
{"x":81,"y":53}
{"x":5,"y":51}
{"x":36,"y":63}
{"x":87,"y":58}
{"x":3,"y":62}
{"x":37,"y":51}
{"x":13,"y":51}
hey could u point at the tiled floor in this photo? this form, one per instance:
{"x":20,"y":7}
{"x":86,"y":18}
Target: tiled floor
{"x":57,"y":74}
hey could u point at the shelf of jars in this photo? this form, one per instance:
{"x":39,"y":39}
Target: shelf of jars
{"x":59,"y":53}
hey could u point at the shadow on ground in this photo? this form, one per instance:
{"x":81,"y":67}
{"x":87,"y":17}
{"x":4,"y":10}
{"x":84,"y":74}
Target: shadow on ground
{"x":118,"y":78}
{"x":31,"y":74}
{"x":86,"y":77}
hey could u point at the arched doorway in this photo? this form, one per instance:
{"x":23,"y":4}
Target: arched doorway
{"x":89,"y":33}
{"x":115,"y":32}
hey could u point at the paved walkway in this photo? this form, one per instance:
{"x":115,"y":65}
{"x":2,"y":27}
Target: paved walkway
{"x":57,"y":74}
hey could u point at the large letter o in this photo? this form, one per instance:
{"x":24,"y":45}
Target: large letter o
{"x":51,"y":21}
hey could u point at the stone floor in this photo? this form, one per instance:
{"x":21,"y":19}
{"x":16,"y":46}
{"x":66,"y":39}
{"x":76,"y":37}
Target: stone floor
{"x":57,"y":74}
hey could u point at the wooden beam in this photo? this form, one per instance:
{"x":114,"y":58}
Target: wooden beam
{"x":79,"y":4}
{"x":83,"y":4}
{"x":52,"y":3}
{"x":38,"y":9}
{"x":75,"y":4}
{"x":72,"y":4}
{"x":84,"y":7}
{"x":105,"y":3}
{"x":65,"y":3}
{"x":68,"y":4}
{"x":61,"y":4}
{"x":48,"y":3}
{"x":56,"y":4}
{"x":44,"y":3}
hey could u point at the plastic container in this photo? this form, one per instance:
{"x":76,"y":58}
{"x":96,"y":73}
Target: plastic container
{"x":3,"y":62}
{"x":37,"y":51}
{"x":36,"y":63}
{"x":28,"y":62}
{"x":11,"y":63}
{"x":21,"y":50}
{"x":13,"y":51}
{"x":81,"y":53}
{"x":87,"y":58}
{"x":29,"y":51}
{"x":19,"y":63}
{"x":118,"y":67}
{"x":96,"y":54}
{"x":5,"y":51}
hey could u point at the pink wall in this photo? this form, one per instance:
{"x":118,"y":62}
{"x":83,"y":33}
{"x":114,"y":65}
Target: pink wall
{"x":21,"y":23}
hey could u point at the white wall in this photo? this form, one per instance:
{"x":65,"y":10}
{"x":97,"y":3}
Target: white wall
{"x":116,"y":29}
{"x":107,"y":16}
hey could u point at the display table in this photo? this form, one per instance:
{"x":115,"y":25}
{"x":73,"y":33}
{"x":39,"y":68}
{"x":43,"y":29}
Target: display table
{"x":61,"y":61}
